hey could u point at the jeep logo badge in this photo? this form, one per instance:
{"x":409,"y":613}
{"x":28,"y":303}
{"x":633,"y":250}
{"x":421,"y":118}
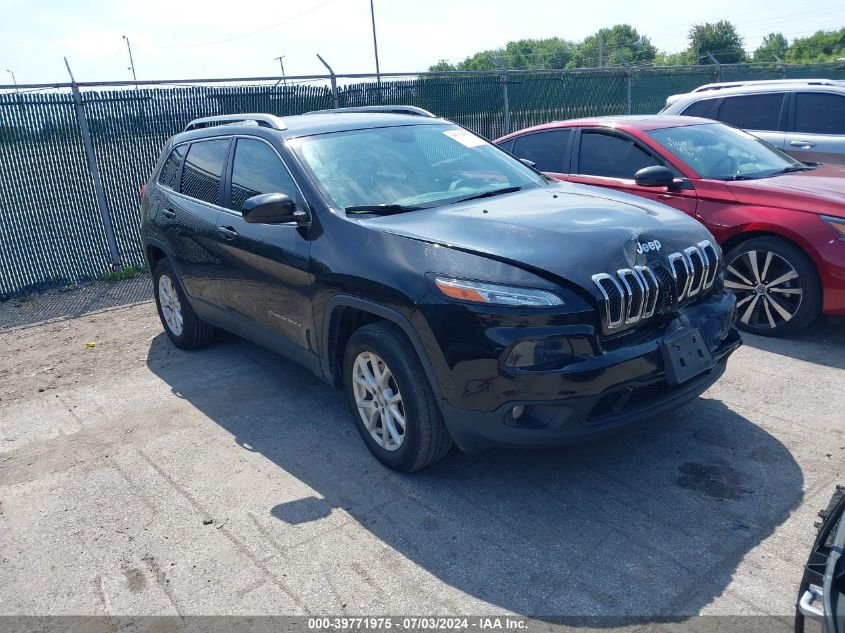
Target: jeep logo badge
{"x":644,"y":247}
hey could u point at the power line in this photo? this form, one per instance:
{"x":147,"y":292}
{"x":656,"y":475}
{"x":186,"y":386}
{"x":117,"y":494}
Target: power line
{"x":261,"y":30}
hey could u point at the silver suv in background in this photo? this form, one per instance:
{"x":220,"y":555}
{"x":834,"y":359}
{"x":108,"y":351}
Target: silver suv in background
{"x":803,"y":117}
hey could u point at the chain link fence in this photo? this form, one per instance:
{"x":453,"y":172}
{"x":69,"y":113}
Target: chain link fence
{"x":54,"y":229}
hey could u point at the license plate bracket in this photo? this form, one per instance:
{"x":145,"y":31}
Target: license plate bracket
{"x":685,"y":355}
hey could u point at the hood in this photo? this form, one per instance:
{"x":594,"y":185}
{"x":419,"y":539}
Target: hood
{"x":565,"y":230}
{"x":819,"y":190}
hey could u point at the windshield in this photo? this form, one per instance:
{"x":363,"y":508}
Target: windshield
{"x":720,"y":152}
{"x":409,"y":167}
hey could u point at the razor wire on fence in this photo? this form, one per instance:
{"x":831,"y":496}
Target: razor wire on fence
{"x":54,"y":228}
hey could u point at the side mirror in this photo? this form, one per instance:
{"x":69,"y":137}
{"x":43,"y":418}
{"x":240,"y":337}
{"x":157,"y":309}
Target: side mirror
{"x":655,"y":176}
{"x":272,"y":208}
{"x":530,"y":163}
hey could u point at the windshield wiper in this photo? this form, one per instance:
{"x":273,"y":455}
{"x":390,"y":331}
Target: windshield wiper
{"x":380,"y":209}
{"x":792,"y":169}
{"x":488,"y":194}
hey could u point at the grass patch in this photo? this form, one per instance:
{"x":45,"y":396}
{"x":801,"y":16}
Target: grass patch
{"x":128,"y":272}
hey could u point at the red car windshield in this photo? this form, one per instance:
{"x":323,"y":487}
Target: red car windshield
{"x":719,"y":152}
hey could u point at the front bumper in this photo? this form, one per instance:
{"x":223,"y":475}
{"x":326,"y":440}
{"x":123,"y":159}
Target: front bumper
{"x":623,"y":384}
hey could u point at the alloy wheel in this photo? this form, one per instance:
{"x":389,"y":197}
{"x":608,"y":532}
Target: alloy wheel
{"x":171,"y":308}
{"x":767,"y":286}
{"x":378,"y":400}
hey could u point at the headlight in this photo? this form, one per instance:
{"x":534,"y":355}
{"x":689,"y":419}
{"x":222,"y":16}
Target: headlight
{"x":837,"y":223}
{"x":493,"y":294}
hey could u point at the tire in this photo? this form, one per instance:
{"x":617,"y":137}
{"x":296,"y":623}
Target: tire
{"x":194,"y":332}
{"x":765,"y":307}
{"x":423,"y":439}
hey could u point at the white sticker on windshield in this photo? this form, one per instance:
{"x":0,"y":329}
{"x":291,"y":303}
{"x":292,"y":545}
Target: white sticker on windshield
{"x":465,"y":138}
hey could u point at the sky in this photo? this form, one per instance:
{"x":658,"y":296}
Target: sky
{"x":182,"y":39}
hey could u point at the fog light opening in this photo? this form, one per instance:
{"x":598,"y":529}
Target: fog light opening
{"x":518,"y":411}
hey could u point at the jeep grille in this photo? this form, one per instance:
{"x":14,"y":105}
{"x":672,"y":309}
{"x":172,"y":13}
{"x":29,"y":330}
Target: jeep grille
{"x":633,"y":294}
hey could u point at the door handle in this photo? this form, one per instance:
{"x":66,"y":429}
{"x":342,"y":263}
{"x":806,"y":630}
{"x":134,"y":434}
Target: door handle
{"x":227,"y":232}
{"x":168,"y":213}
{"x":802,"y":144}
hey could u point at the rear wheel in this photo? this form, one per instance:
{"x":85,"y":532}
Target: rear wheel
{"x":391,"y":399}
{"x":776,"y":286}
{"x":182,"y":325}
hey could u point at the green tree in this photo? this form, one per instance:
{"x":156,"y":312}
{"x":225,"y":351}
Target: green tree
{"x":663,"y":58}
{"x":604,"y":47}
{"x":821,"y":46}
{"x":552,"y":52}
{"x":772,"y":49}
{"x":720,"y":38}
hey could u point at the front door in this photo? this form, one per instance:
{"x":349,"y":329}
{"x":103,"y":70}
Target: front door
{"x":610,"y":159}
{"x":268,"y":284}
{"x":817,"y":129}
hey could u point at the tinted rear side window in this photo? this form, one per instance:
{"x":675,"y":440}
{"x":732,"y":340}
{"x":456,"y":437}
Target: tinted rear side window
{"x":752,"y":112}
{"x":818,"y":113}
{"x":611,"y":156}
{"x":546,"y":149}
{"x":203,"y":170}
{"x":703,"y":108}
{"x":256,"y":170}
{"x":170,"y":170}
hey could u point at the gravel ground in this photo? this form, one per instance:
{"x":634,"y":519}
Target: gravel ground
{"x":138,"y":479}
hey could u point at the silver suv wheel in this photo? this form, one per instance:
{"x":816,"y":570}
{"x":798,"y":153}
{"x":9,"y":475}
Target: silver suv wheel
{"x":171,"y":308}
{"x":378,"y":400}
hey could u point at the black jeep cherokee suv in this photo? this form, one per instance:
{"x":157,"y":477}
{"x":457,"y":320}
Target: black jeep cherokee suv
{"x":454,"y":293}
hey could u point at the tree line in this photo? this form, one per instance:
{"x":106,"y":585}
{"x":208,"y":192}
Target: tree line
{"x":621,"y":44}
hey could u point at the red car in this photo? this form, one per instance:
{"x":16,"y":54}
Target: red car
{"x":780,"y":222}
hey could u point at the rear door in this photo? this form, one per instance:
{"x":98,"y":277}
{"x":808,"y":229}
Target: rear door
{"x":764,"y":115}
{"x":816,"y":130}
{"x":609,"y":158}
{"x":549,"y":150}
{"x":191,"y":180}
{"x":268,"y":284}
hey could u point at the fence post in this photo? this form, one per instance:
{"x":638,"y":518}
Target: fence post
{"x":335,"y":99}
{"x":781,"y":66}
{"x":91,"y":158}
{"x":718,"y":66}
{"x":629,"y":72}
{"x":506,"y":106}
{"x":506,"y":115}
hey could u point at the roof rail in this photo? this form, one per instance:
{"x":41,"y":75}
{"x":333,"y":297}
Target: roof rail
{"x":263,"y":120}
{"x":765,"y":82}
{"x":382,"y":109}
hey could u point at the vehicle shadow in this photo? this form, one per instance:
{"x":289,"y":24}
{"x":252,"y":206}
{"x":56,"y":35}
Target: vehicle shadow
{"x":650,"y":524}
{"x":822,"y":343}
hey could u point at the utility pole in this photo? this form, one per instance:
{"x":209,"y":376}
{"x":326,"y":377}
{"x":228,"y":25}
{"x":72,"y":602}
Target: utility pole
{"x":131,"y":61}
{"x":14,"y":81}
{"x":280,"y":59}
{"x":375,"y":43}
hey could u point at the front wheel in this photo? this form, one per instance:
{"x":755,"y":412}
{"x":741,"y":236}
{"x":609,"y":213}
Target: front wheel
{"x":391,"y":399}
{"x":776,"y":285}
